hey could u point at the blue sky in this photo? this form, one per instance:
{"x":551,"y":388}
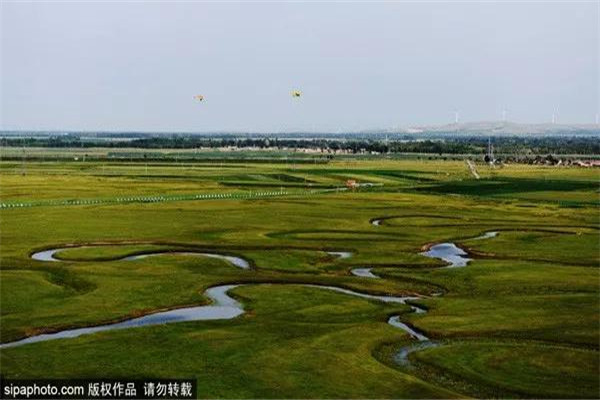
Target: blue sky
{"x":137,"y":65}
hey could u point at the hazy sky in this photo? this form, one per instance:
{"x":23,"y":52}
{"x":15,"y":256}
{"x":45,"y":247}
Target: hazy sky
{"x":137,"y":66}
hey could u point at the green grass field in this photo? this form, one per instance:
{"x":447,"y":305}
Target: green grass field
{"x":521,"y":320}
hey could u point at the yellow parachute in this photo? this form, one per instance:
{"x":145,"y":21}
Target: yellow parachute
{"x":199,"y":97}
{"x":296,"y":93}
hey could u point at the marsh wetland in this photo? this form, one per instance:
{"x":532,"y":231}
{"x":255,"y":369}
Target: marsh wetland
{"x":427,"y":284}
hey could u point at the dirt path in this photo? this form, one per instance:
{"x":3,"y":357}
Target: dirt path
{"x":472,"y":169}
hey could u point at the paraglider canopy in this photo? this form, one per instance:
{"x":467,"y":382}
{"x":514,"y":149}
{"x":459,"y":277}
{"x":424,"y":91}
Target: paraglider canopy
{"x":296,"y":93}
{"x":199,"y":97}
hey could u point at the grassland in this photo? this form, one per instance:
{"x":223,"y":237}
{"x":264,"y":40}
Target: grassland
{"x":521,"y":320}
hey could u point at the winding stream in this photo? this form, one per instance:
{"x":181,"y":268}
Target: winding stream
{"x":223,"y":307}
{"x":449,"y":252}
{"x":48,"y":255}
{"x":452,"y":254}
{"x":395,"y":321}
{"x":401,"y":357}
{"x":486,"y":235}
{"x":363,"y":272}
{"x":237,"y":261}
{"x":340,"y":254}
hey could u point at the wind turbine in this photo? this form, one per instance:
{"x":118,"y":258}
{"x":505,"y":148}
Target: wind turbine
{"x":456,"y":116}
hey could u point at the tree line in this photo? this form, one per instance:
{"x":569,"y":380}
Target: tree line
{"x":521,"y":145}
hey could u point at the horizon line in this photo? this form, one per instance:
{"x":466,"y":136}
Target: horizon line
{"x":398,"y":128}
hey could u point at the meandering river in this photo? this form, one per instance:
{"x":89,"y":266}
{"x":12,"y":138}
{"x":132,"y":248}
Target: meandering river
{"x":48,"y":255}
{"x":225,"y":307}
{"x":222,"y":307}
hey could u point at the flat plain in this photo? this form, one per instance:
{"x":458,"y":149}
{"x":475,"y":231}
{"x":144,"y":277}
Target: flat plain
{"x":520,"y":320}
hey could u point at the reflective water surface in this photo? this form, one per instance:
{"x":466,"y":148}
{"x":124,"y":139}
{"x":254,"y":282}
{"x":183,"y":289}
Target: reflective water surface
{"x":363,"y":272}
{"x":449,"y":252}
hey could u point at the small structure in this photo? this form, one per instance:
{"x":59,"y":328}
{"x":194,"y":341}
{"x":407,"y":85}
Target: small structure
{"x":351,"y":184}
{"x":489,"y":155}
{"x":588,"y":163}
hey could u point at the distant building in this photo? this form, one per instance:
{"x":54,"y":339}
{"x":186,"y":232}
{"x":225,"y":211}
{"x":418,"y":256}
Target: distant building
{"x":351,"y":184}
{"x":587,"y":164}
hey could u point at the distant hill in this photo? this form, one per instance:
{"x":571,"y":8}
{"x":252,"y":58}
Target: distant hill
{"x":494,"y":128}
{"x":499,"y":128}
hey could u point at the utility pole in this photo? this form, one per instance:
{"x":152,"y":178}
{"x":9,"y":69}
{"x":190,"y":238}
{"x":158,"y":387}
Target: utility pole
{"x":490,"y":151}
{"x":23,"y":157}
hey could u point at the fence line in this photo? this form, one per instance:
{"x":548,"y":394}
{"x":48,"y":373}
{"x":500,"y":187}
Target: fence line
{"x":165,"y":198}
